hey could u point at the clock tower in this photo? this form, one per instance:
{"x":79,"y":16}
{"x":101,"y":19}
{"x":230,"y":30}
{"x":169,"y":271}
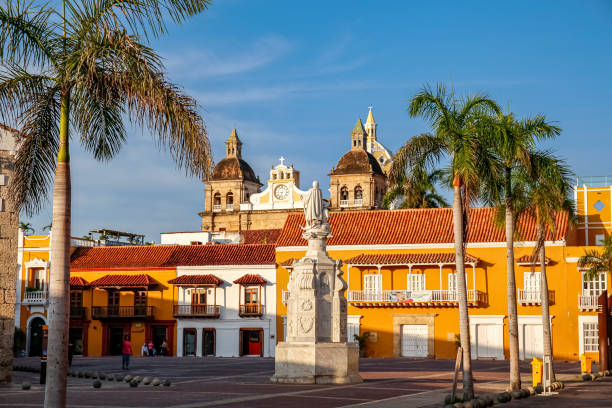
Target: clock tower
{"x":283,"y":190}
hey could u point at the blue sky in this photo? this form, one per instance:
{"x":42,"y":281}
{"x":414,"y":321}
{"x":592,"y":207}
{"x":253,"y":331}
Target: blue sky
{"x":292,"y":77}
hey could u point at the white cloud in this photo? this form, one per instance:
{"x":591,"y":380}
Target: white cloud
{"x":204,"y":63}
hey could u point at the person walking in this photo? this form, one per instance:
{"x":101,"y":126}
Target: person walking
{"x":150,"y":347}
{"x":126,"y":351}
{"x":164,"y":348}
{"x":144,"y":350}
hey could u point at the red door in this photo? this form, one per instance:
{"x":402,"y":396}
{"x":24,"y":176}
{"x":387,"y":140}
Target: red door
{"x":254,"y":343}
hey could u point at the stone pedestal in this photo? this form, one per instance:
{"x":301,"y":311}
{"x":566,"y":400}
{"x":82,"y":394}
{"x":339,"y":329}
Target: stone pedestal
{"x":316,"y":350}
{"x":320,"y":363}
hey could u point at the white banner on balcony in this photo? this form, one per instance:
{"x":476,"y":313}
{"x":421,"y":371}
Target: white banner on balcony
{"x":420,"y":296}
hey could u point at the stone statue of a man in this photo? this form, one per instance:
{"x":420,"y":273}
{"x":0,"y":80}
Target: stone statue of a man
{"x":315,"y":211}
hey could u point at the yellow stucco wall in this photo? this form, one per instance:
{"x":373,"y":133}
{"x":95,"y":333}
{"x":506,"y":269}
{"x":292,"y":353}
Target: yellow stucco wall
{"x":160,"y":298}
{"x":563,"y":279}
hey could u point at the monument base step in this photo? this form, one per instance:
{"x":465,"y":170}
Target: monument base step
{"x":316,"y":363}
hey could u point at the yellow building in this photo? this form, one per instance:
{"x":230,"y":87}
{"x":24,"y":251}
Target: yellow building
{"x":400,"y":272}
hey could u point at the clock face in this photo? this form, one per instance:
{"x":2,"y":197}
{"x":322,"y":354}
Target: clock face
{"x":281,"y":192}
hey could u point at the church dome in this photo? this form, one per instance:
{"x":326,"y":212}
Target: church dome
{"x":233,"y":168}
{"x":357,"y":161}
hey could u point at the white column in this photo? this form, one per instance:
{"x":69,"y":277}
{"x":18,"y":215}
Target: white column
{"x":440,"y":265}
{"x":586,"y":217}
{"x":409,"y":275}
{"x":474,"y":278}
{"x":199,"y":336}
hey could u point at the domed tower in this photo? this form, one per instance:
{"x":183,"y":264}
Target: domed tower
{"x":374,"y":147}
{"x":232,"y":183}
{"x":357,"y":182}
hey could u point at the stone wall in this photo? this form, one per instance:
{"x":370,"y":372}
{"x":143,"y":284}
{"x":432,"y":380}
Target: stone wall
{"x":245,"y":220}
{"x":8,"y":257}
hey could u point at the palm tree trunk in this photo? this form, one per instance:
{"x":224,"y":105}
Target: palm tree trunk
{"x":464,"y":323}
{"x":546,"y":329}
{"x":513,"y":341}
{"x":59,"y":276}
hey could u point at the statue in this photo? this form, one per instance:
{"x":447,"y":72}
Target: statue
{"x":316,"y":348}
{"x":315,"y":207}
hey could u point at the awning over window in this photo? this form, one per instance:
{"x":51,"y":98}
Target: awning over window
{"x":527,"y":260}
{"x":288,"y":264}
{"x":408,"y":259}
{"x":250,"y":280}
{"x":76,"y":282}
{"x":128,"y":281}
{"x":190,"y":280}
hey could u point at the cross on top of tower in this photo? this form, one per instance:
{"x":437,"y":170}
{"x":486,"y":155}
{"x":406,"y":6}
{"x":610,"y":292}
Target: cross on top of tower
{"x":282,"y":160}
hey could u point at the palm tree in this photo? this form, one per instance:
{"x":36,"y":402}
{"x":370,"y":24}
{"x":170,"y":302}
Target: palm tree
{"x":47,"y":227}
{"x":513,"y":142}
{"x":455,"y":136}
{"x":418,"y":191}
{"x":596,"y":261}
{"x":26,"y":227}
{"x":87,"y":68}
{"x":543,"y":192}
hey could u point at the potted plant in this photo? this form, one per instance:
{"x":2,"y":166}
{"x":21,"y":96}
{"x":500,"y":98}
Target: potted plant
{"x":361,"y":340}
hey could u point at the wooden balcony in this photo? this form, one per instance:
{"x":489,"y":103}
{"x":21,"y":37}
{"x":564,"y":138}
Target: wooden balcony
{"x":533,"y":298}
{"x":252,"y":310}
{"x":121,"y":312}
{"x":78,"y":312}
{"x":205,"y":311}
{"x":421,"y":298}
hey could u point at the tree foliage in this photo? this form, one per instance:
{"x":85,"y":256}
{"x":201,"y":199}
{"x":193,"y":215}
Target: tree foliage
{"x":110,"y":75}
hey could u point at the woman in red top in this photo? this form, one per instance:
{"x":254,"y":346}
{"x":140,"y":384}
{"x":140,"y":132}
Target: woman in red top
{"x":126,"y":351}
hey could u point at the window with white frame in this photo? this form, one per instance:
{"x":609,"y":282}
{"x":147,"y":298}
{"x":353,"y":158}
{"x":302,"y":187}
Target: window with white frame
{"x":416,"y":282}
{"x":531,"y":282}
{"x":372,"y":283}
{"x":590,"y":333}
{"x":595,"y":286}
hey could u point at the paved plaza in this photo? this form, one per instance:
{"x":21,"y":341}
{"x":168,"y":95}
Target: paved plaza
{"x":240,"y":382}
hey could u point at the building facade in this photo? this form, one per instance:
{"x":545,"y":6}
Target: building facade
{"x":400,"y":269}
{"x":9,"y":219}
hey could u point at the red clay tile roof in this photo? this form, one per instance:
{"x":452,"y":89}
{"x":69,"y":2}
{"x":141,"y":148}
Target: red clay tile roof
{"x":124,"y":281}
{"x":526,"y":260}
{"x":261,"y":236}
{"x":171,"y":256}
{"x":77,"y":281}
{"x":413,"y":226}
{"x":249,"y":279}
{"x":406,"y":259}
{"x":196,"y":280}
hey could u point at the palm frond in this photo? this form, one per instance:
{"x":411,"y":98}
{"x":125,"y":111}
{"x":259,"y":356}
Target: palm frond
{"x":27,"y":33}
{"x":419,"y":152}
{"x":17,"y":89}
{"x":38,"y":147}
{"x":142,"y":17}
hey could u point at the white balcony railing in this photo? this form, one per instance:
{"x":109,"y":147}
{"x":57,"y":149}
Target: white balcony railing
{"x":229,"y":207}
{"x":285,"y":296}
{"x":588,"y":302}
{"x":38,"y":297}
{"x":529,"y":297}
{"x":358,"y":202}
{"x":217,"y":207}
{"x":406,"y":297}
{"x":533,"y":297}
{"x":344,"y":203}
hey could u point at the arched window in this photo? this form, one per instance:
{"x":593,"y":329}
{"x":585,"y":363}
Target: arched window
{"x":358,"y":193}
{"x":229,"y":201}
{"x":344,"y":196}
{"x":217,"y":202}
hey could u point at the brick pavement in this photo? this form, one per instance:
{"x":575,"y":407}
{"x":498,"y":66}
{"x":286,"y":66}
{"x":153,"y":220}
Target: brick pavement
{"x":239,"y":382}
